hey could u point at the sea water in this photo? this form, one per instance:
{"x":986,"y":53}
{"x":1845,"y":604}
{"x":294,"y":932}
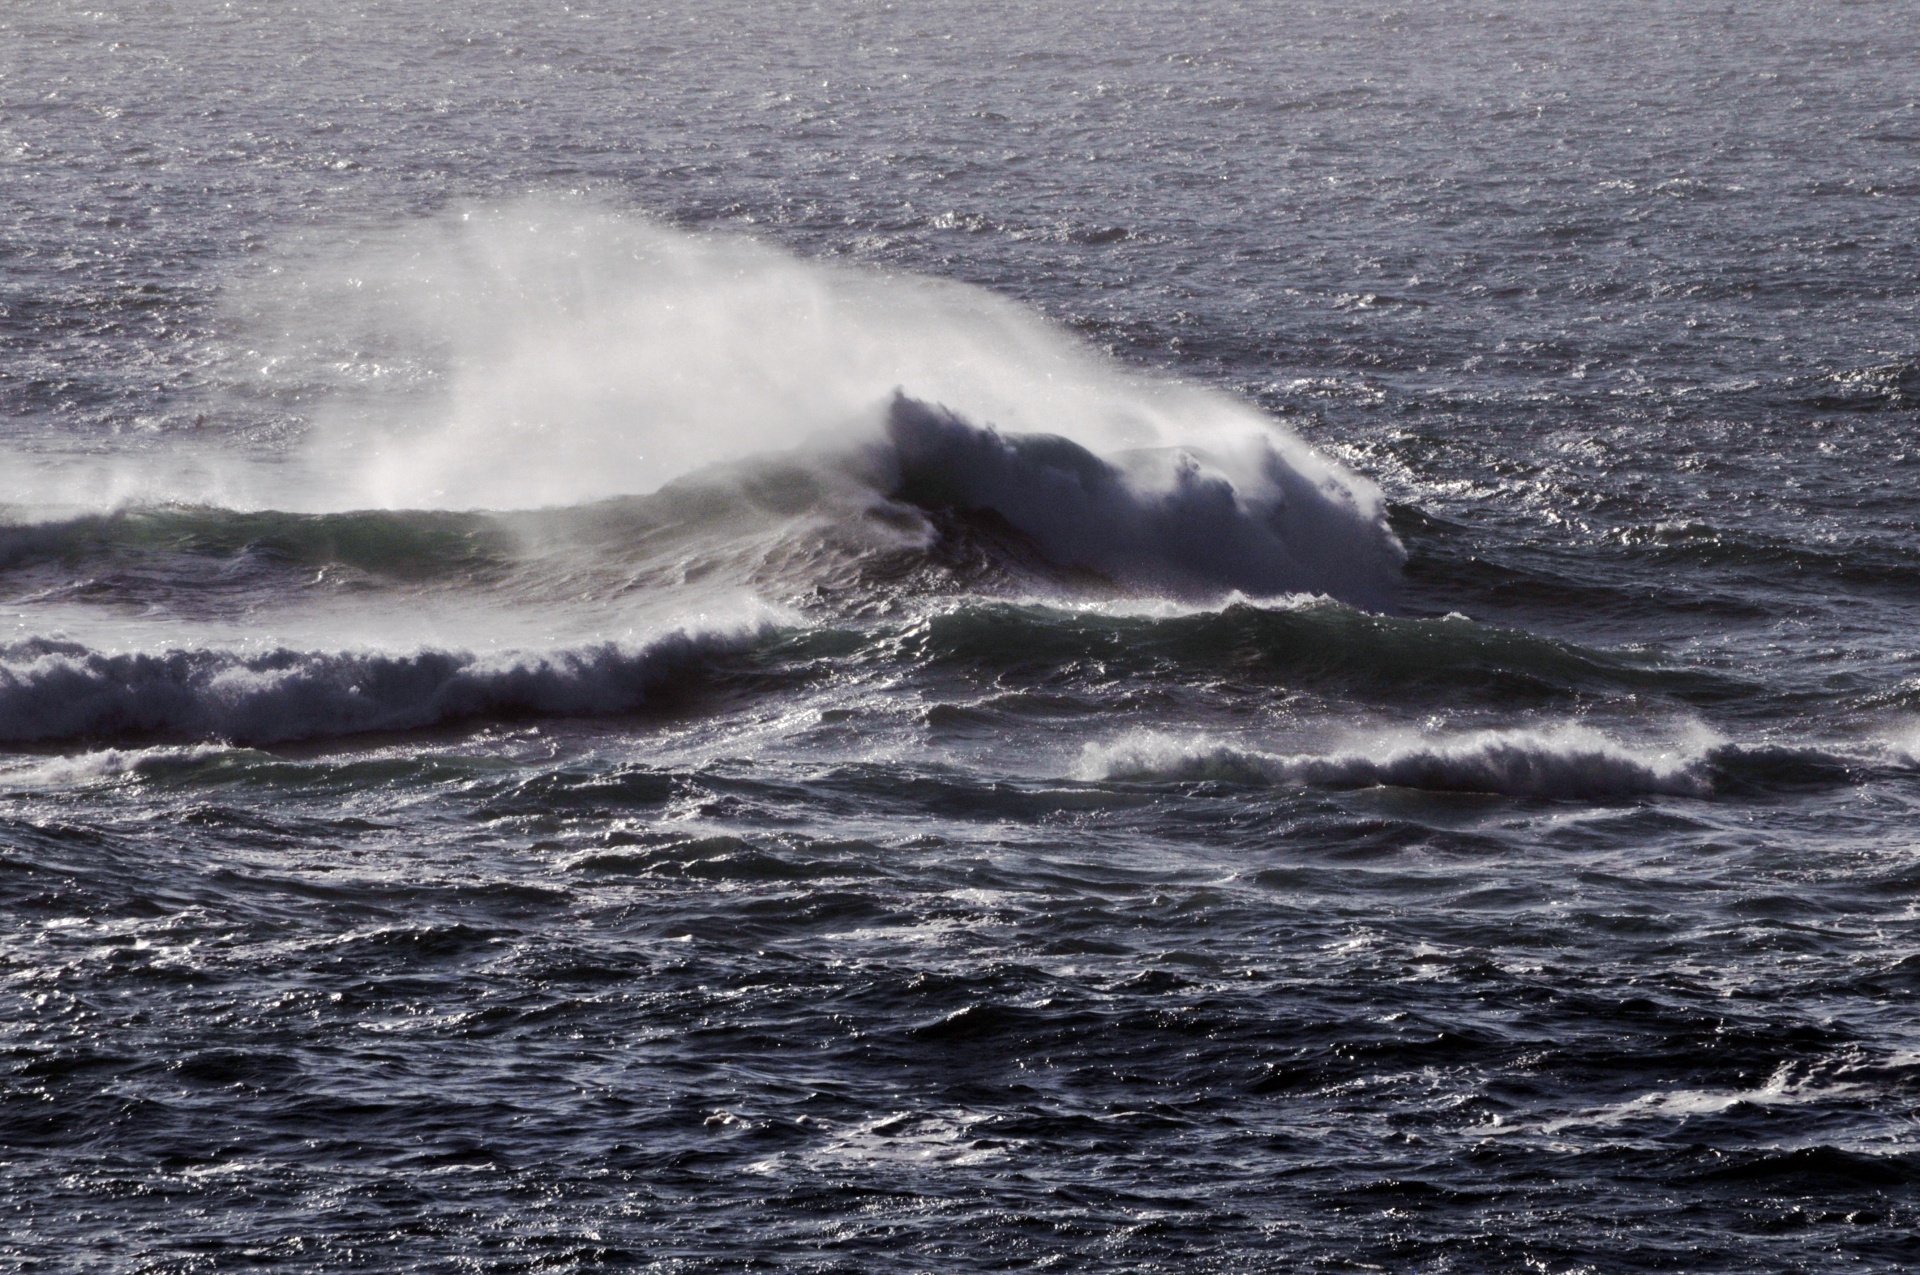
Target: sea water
{"x":900,"y":637}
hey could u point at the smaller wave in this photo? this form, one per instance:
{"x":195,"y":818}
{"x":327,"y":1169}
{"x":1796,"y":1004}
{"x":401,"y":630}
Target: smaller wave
{"x":1305,"y":642}
{"x":53,"y":691}
{"x":109,"y":765}
{"x":1571,"y":762}
{"x":1781,"y":1089}
{"x":1872,"y":561}
{"x":1883,"y":387}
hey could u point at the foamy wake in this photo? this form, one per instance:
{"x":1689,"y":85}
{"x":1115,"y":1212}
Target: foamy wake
{"x":63,"y":690}
{"x":1565,"y":761}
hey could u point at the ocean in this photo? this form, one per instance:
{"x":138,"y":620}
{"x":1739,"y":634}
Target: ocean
{"x":872,"y":636}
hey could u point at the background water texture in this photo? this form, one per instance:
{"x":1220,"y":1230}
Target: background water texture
{"x":830,"y":637}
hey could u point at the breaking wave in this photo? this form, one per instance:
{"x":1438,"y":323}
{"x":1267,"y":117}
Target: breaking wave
{"x":1566,"y":762}
{"x":549,"y":357}
{"x":1178,"y":521}
{"x":1048,"y":511}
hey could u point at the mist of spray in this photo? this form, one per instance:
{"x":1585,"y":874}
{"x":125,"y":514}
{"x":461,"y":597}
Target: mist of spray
{"x":553,"y":354}
{"x":548,"y":353}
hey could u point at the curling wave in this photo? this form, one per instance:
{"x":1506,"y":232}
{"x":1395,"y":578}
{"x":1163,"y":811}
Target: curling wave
{"x":1178,"y":521}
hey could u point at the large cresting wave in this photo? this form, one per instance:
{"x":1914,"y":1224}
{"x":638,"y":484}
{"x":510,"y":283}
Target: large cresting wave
{"x":548,"y":355}
{"x":1178,"y":521}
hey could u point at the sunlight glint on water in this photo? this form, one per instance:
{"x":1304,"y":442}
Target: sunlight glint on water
{"x":1199,"y":637}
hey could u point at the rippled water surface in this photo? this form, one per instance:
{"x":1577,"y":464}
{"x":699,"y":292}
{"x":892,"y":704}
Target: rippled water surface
{"x":871,"y":636}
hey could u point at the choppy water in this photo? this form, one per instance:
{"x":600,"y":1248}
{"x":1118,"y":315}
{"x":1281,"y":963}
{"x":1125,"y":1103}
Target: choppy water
{"x":1201,"y":637}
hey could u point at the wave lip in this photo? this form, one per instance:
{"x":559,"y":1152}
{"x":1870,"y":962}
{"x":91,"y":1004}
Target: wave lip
{"x":1563,"y":762}
{"x":1267,"y":521}
{"x":51,"y":691}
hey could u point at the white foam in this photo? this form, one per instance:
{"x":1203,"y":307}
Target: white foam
{"x":1780,"y":1090}
{"x":1899,"y":743}
{"x":1570,"y":761}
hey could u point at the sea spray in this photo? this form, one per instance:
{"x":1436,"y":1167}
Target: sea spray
{"x":549,"y":353}
{"x":552,"y":354}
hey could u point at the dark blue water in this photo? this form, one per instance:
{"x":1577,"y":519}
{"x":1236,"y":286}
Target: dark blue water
{"x":867,"y":637}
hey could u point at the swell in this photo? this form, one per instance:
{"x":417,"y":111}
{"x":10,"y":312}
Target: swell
{"x":60,"y":690}
{"x":57,"y":690}
{"x":1670,"y":581}
{"x":409,"y":544}
{"x":1864,"y":561}
{"x":1878,"y":388}
{"x":1317,"y":643}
